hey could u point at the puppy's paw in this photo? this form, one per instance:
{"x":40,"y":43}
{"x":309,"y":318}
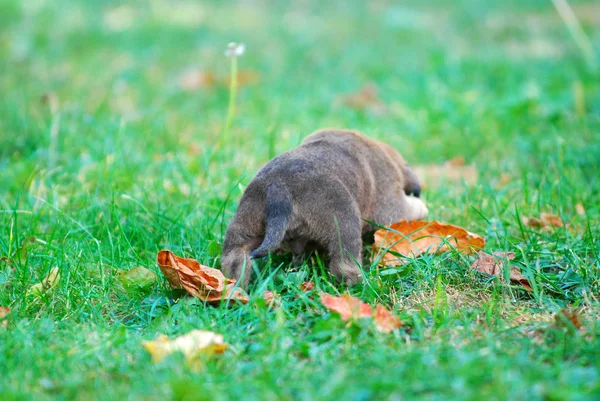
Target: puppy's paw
{"x":351,"y":275}
{"x":416,"y":209}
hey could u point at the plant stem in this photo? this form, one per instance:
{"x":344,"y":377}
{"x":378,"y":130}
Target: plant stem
{"x":232,"y":97}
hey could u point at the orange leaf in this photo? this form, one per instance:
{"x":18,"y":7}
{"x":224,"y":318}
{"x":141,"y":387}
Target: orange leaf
{"x":203,"y":282}
{"x":412,"y":238}
{"x":347,"y":306}
{"x":571,"y":315}
{"x":190,"y":273}
{"x":271,"y":298}
{"x":231,"y":294}
{"x":545,"y":220}
{"x":4,"y":311}
{"x":351,"y":308}
{"x":307,"y":286}
{"x":492,"y":265}
{"x":385,"y":321}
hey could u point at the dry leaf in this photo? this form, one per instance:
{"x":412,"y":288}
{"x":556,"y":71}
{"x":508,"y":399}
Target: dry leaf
{"x":203,"y":282}
{"x":269,"y":297}
{"x":190,"y":273}
{"x":571,"y":315}
{"x":307,"y":286}
{"x":493,"y":265}
{"x":454,"y":170}
{"x":412,"y":238}
{"x":272,"y":299}
{"x":194,"y":79}
{"x":4,"y":311}
{"x":580,"y":209}
{"x":47,"y":285}
{"x":347,"y":306}
{"x":385,"y":321}
{"x":192,"y":345}
{"x":545,"y":220}
{"x":366,"y":98}
{"x":351,"y":308}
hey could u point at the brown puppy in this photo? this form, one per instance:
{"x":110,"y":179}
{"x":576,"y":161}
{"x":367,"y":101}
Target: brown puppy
{"x":323,"y":193}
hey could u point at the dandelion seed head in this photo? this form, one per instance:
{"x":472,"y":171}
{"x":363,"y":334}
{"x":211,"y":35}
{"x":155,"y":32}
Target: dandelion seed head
{"x":235,"y":49}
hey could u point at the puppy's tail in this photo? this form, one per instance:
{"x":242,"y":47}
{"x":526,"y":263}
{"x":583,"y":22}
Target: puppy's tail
{"x":278,"y":211}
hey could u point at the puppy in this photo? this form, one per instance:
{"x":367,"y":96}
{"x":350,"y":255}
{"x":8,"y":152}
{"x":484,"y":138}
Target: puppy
{"x":323,"y":194}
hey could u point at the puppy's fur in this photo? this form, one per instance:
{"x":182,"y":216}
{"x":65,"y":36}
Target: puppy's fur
{"x":323,"y":193}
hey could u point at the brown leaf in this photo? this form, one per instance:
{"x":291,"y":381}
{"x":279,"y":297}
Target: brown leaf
{"x":230,"y":293}
{"x":194,"y":79}
{"x":4,"y":311}
{"x":366,"y":99}
{"x":347,"y":306}
{"x":385,"y":321}
{"x":413,"y":238}
{"x":203,"y":282}
{"x":545,"y":220}
{"x":454,"y":170}
{"x":493,"y":265}
{"x":272,"y":299}
{"x":307,"y":286}
{"x":580,"y":209}
{"x":192,"y":345}
{"x":570,"y":315}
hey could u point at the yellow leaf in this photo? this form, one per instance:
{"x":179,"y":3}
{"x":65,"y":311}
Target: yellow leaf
{"x":47,"y":285}
{"x":192,"y":345}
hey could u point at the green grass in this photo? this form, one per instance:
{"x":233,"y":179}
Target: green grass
{"x":134,"y":167}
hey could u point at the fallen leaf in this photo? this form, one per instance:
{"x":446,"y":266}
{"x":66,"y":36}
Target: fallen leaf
{"x":189,"y":274}
{"x":580,"y":209}
{"x":385,"y":321}
{"x":192,"y":345}
{"x":453,"y":170}
{"x":272,"y":299}
{"x":4,"y":311}
{"x":365,"y":99}
{"x":412,"y":238}
{"x":203,"y":282}
{"x":545,"y":220}
{"x":493,"y":265}
{"x":352,"y":308}
{"x":138,"y":278}
{"x":307,"y":286}
{"x":193,"y":79}
{"x":569,"y":315}
{"x":47,"y":285}
{"x":347,"y":306}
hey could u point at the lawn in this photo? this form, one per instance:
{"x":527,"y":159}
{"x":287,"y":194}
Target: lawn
{"x":113,"y":146}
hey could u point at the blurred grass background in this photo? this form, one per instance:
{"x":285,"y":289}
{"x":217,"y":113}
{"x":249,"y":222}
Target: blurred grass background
{"x":110,"y":116}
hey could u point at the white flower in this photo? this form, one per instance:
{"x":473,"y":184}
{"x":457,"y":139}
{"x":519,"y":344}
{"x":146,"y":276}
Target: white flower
{"x":235,"y":49}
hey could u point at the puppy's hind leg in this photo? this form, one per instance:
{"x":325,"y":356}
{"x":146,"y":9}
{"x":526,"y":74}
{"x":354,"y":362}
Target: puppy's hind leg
{"x":243,"y":235}
{"x":341,"y":234}
{"x":236,"y":262}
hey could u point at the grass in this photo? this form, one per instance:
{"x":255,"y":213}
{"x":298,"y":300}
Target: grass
{"x":105,"y":160}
